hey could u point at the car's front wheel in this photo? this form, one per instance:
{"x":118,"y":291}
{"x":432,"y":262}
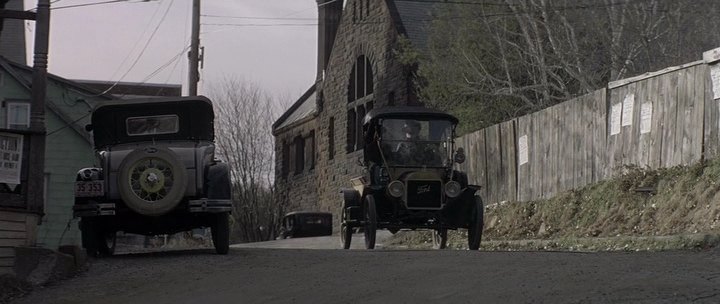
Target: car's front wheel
{"x":439,"y":238}
{"x":220,"y":230}
{"x":370,"y":222}
{"x":476,"y":225}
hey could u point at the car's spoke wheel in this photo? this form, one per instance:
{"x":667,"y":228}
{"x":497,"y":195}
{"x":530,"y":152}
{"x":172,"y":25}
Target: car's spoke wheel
{"x":439,"y":238}
{"x":220,"y":231}
{"x":346,"y":232}
{"x":476,"y":225}
{"x":370,"y":222}
{"x":152,"y":180}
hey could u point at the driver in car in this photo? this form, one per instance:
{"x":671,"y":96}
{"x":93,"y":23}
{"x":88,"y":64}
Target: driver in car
{"x":408,"y":146}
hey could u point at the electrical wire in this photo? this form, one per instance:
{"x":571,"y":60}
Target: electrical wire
{"x":147,"y":43}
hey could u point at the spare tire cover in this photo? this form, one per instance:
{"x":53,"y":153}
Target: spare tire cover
{"x":152,"y":180}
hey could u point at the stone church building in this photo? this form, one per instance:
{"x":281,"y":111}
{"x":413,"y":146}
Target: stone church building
{"x":318,"y":139}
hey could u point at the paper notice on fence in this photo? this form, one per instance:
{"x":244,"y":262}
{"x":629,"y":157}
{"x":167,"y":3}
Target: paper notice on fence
{"x":10,"y":157}
{"x":715,"y":75}
{"x":615,"y":119}
{"x":627,"y":112}
{"x":522,"y":150}
{"x":646,"y":117}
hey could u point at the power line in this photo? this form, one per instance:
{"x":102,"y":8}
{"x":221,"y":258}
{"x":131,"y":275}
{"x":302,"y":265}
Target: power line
{"x":147,"y":43}
{"x":137,"y":42}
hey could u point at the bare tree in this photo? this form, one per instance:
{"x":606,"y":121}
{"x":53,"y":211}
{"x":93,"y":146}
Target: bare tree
{"x":243,"y":125}
{"x":492,"y":60}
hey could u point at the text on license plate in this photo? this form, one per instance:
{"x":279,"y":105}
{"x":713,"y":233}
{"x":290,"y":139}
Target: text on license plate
{"x":89,"y":189}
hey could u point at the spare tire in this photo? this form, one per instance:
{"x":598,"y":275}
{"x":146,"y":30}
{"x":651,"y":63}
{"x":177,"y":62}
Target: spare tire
{"x":152,"y":180}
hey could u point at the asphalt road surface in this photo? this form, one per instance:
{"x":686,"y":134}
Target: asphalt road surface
{"x":275,"y":272}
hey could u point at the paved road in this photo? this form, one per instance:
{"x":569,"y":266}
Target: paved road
{"x":261,"y":275}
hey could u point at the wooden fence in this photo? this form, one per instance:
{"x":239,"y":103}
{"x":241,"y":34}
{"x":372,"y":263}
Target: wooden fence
{"x":660,"y":119}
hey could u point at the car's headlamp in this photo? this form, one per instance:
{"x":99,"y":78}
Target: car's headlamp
{"x":396,"y":189}
{"x":453,"y":189}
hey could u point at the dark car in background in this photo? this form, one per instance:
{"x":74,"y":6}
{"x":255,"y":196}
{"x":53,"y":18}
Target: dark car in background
{"x":157,"y":173}
{"x":306,"y":224}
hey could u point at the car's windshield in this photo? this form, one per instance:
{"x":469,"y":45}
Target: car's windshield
{"x":416,"y":142}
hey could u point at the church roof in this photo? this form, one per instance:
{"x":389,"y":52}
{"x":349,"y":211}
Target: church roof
{"x":413,"y":19}
{"x":304,"y":107}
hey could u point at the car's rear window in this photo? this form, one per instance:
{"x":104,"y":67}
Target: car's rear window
{"x":151,"y":125}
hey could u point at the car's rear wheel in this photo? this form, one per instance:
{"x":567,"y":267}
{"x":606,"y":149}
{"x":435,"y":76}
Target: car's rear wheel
{"x":220,"y":231}
{"x":370,"y":222}
{"x":346,"y":232}
{"x":152,"y":180}
{"x":439,"y":238}
{"x":95,"y":239}
{"x":476,"y":224}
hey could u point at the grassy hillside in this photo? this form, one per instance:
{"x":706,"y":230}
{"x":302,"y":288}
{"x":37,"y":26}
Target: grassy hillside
{"x":639,"y":209}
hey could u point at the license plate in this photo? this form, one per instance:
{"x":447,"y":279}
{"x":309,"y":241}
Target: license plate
{"x":89,"y":189}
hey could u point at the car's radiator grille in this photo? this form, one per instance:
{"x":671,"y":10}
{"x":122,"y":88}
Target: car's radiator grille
{"x":424,"y":194}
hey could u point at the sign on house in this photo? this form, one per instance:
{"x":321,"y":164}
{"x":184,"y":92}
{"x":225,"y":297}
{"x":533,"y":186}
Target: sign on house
{"x":10,"y":158}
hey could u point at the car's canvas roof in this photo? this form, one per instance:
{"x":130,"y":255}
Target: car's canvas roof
{"x":195,"y":113}
{"x":407,"y":112}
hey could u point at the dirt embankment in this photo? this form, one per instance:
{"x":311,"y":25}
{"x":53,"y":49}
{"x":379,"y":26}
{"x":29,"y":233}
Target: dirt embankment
{"x":640,"y":209}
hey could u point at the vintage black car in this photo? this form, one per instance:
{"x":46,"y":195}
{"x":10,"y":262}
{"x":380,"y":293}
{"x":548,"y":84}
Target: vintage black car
{"x":157,"y":173}
{"x":306,"y":224}
{"x":410,"y":182}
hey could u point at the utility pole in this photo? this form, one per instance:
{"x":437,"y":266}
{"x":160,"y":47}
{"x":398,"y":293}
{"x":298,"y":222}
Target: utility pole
{"x":194,"y":54}
{"x":36,"y":159}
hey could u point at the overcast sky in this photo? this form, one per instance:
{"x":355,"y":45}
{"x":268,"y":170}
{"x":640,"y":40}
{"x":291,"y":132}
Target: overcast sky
{"x":101,"y":42}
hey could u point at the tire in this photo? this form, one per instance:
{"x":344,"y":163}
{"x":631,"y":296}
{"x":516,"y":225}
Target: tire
{"x":96,"y":241}
{"x":220,"y":231}
{"x":107,"y":241}
{"x":152,"y":180}
{"x":89,"y":236}
{"x":370,"y":222}
{"x":476,"y":225}
{"x":439,"y":238}
{"x":345,"y":231}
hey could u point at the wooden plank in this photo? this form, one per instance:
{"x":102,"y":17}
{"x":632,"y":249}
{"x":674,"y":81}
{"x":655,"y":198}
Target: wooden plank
{"x":711,"y":118}
{"x":697,"y":132}
{"x":13,"y":234}
{"x":576,"y":174}
{"x":614,"y":140}
{"x":686,"y":92}
{"x":641,"y":140}
{"x":566,"y":164}
{"x":492,"y":138}
{"x":7,"y":252}
{"x":628,"y":134}
{"x":669,"y":91}
{"x":600,"y":135}
{"x":509,"y":160}
{"x":524,"y":182}
{"x":656,"y":130}
{"x":6,"y":270}
{"x":12,"y":216}
{"x":12,"y":242}
{"x":7,"y":262}
{"x":12,"y":226}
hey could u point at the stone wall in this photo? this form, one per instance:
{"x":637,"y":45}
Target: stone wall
{"x":363,"y":31}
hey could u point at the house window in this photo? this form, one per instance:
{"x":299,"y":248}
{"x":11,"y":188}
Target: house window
{"x":18,"y":115}
{"x":360,"y":100}
{"x":351,"y":130}
{"x":299,"y":154}
{"x":285,"y":159}
{"x":310,"y":150}
{"x":360,"y":143}
{"x":331,"y":138}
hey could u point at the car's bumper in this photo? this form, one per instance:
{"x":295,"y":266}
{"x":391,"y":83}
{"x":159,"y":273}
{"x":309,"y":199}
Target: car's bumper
{"x":210,"y":205}
{"x":93,"y":209}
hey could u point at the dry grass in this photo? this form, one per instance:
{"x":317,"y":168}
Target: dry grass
{"x":686,"y":202}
